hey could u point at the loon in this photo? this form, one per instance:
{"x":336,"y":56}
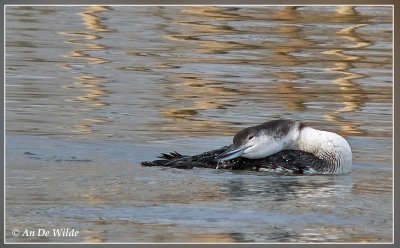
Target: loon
{"x":278,"y":146}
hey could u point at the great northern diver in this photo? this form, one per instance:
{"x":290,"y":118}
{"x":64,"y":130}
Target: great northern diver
{"x":278,"y":146}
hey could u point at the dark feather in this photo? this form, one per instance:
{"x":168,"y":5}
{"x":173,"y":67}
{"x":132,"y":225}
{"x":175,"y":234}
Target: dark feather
{"x":294,"y":160}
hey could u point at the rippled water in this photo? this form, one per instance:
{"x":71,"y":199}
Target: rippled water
{"x":92,"y":91}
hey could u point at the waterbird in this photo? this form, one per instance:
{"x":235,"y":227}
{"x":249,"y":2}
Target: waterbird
{"x":277,"y":146}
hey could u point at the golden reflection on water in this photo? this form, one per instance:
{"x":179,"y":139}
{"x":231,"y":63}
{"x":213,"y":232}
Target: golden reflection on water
{"x":211,"y":36}
{"x":295,"y":98}
{"x":352,"y":94}
{"x":194,"y":88}
{"x":90,"y":85}
{"x":92,"y":20}
{"x":214,"y":13}
{"x":202,"y":94}
{"x":205,"y":94}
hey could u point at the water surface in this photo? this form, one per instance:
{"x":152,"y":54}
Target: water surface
{"x":92,"y":91}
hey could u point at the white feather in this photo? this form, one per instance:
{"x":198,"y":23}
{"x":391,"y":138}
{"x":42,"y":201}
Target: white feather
{"x":327,"y":146}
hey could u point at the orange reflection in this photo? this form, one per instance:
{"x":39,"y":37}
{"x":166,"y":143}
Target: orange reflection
{"x":92,"y":20}
{"x":93,"y":86}
{"x":204,"y":41}
{"x":352,"y":95}
{"x":90,"y":85}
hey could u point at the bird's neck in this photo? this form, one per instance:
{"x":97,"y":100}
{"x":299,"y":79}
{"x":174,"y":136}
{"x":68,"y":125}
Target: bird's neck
{"x":327,"y":146}
{"x":309,"y":140}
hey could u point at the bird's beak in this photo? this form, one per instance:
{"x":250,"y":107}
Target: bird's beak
{"x":231,"y":153}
